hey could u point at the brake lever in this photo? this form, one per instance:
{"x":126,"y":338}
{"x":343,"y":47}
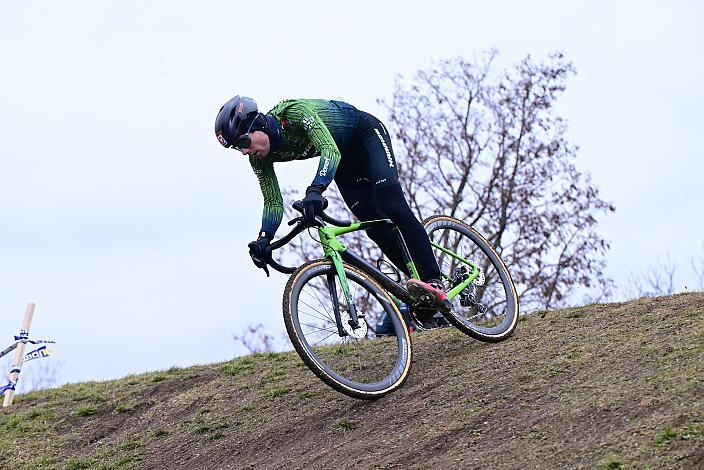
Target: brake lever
{"x":265,"y":267}
{"x":302,"y":220}
{"x":261,"y":264}
{"x":295,"y":221}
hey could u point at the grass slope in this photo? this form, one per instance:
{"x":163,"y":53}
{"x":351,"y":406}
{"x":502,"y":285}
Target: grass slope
{"x":600,"y":386}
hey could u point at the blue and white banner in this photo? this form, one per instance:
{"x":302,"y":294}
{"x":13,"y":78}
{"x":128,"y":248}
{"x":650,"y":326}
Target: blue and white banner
{"x":9,"y":386}
{"x":25,"y":340}
{"x":37,"y":354}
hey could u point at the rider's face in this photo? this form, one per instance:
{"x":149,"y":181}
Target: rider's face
{"x":259,"y":147}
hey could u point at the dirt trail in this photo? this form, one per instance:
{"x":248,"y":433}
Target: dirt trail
{"x":608,"y":385}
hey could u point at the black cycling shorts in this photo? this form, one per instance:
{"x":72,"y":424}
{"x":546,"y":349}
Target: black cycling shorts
{"x":369,"y":157}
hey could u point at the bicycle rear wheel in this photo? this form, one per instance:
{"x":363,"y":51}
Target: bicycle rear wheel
{"x":350,"y":363}
{"x":487,"y":309}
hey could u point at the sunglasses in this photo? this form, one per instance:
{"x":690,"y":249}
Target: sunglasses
{"x":245,"y":140}
{"x":242,"y":142}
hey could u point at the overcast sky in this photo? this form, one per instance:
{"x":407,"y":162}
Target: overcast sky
{"x":127,"y":223}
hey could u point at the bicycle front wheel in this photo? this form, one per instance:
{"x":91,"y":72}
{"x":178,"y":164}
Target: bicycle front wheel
{"x":487,"y":309}
{"x":348,"y":358}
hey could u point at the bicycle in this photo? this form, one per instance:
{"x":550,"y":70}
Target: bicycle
{"x":326,"y":301}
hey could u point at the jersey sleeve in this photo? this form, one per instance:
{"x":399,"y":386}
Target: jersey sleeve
{"x":320,"y":137}
{"x":273,"y":210}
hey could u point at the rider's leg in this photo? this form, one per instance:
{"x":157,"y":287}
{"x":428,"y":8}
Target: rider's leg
{"x":371,"y":159}
{"x":395,"y":206}
{"x":361,"y":201}
{"x":393,"y":203}
{"x":366,"y":204}
{"x":380,"y":168}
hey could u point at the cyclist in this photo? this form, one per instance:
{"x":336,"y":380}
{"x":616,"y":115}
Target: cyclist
{"x":355,"y":151}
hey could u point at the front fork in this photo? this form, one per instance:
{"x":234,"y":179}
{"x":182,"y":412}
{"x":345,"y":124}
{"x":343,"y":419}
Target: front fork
{"x":332,"y":287}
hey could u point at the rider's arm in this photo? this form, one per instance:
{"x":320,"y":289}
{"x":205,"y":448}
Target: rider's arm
{"x":323,"y":141}
{"x":273,"y":202}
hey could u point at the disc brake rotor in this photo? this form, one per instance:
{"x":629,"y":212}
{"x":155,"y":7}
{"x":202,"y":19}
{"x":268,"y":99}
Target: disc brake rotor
{"x":480,"y":279}
{"x":357,"y":333}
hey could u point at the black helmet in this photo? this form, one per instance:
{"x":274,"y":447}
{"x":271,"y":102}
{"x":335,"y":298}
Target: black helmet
{"x":236,"y":118}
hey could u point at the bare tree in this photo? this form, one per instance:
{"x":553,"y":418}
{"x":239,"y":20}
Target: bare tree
{"x":487,"y":147}
{"x":36,"y":375}
{"x":255,"y":339}
{"x":661,"y":278}
{"x":697,"y":263}
{"x":40,"y":375}
{"x":658,"y":279}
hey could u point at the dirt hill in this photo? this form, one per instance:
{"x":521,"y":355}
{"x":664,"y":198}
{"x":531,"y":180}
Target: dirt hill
{"x":600,"y":386}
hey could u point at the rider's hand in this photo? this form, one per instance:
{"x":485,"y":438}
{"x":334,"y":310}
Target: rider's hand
{"x":313,"y":203}
{"x":259,"y":249}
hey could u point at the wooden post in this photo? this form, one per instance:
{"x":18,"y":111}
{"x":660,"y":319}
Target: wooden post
{"x":19,"y":354}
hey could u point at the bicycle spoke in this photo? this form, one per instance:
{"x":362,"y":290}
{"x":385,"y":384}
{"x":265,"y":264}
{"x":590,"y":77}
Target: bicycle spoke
{"x":322,"y":316}
{"x":315,"y":344}
{"x":317,"y":328}
{"x":356,"y":358}
{"x":328,"y":314}
{"x":479,"y":308}
{"x":315,"y":292}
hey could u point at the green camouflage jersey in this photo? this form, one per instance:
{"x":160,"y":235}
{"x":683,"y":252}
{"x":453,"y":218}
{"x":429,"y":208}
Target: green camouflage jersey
{"x":309,"y":128}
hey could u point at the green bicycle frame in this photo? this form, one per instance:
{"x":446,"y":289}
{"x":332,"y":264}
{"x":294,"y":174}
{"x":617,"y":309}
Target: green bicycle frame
{"x":462,"y":285}
{"x":334,"y":249}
